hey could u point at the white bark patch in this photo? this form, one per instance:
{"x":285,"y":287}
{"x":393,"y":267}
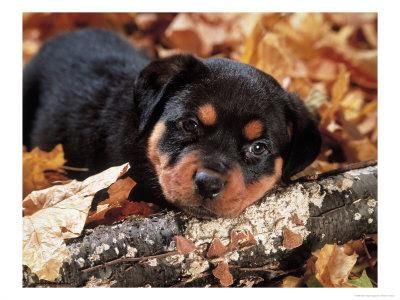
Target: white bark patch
{"x":195,"y":265}
{"x":372,"y":202}
{"x":332,"y":185}
{"x":315,"y":196}
{"x":260,"y":219}
{"x":234,"y":256}
{"x":93,"y":258}
{"x":100,"y":249}
{"x":81,"y":262}
{"x":357,"y":216}
{"x":363,"y":171}
{"x":130,"y":251}
{"x":175,"y":259}
{"x":151,"y":262}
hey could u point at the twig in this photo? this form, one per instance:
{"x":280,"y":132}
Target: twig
{"x":349,"y":167}
{"x":129,"y":259}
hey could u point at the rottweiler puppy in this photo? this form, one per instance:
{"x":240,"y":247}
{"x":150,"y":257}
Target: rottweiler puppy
{"x":210,"y":136}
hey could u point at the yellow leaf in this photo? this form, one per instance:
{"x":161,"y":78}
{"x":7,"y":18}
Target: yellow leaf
{"x":292,"y":281}
{"x":333,"y":266}
{"x":34,"y":165}
{"x":339,"y":88}
{"x":55,"y":214}
{"x":273,"y":57}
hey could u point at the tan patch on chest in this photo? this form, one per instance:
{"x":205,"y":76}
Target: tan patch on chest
{"x":207,"y":114}
{"x":253,"y":130}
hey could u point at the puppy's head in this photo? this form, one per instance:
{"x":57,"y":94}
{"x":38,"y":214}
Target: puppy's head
{"x":221,"y":133}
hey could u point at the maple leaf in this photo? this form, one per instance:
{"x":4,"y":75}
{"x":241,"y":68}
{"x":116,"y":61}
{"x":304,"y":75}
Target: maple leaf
{"x":35,"y":163}
{"x":333,"y":266}
{"x":55,"y":214}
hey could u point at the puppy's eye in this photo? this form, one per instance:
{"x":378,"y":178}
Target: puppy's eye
{"x":189,"y":125}
{"x":258,"y":148}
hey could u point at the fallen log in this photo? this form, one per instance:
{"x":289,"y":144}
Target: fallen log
{"x":275,"y":235}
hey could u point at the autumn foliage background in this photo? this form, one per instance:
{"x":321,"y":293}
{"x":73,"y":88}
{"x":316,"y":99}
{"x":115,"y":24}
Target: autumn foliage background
{"x":329,"y":60}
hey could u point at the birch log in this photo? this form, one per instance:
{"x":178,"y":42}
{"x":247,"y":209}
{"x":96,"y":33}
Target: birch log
{"x":276,"y":234}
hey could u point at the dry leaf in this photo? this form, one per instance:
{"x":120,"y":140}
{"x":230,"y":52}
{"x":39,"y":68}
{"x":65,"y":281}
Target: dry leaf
{"x":241,"y":238}
{"x":292,"y":281}
{"x":200,"y":33}
{"x":216,"y":249}
{"x":183,"y":245}
{"x":35,"y":163}
{"x":291,"y":239}
{"x":223,"y":274}
{"x":55,"y":214}
{"x":273,"y":57}
{"x":333,"y":266}
{"x":296,"y":220}
{"x":118,"y":197}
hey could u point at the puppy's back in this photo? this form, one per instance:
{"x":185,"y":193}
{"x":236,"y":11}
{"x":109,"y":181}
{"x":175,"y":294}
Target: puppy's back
{"x":70,"y":83}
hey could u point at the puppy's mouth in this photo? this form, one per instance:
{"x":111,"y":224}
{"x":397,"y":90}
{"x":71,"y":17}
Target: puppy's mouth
{"x":200,"y":212}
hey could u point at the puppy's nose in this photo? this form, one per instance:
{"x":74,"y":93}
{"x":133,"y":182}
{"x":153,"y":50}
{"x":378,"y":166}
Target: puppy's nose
{"x":208,"y":184}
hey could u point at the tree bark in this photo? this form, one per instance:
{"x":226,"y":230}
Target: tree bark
{"x":275,"y":235}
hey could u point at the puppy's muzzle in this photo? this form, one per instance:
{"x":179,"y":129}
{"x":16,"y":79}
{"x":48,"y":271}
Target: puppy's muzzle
{"x":208,"y":183}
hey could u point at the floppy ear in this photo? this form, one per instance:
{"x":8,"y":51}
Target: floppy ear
{"x":155,"y":80}
{"x":305,"y":138}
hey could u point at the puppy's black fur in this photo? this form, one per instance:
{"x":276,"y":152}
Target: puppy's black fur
{"x":100,"y":98}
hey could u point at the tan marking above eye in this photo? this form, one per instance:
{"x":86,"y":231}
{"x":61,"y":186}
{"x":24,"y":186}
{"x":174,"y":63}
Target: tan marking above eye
{"x":207,"y":114}
{"x":253,"y":130}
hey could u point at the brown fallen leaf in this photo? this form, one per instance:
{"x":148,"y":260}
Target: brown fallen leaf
{"x":296,"y":220}
{"x":241,"y":238}
{"x":35,"y":163}
{"x":201,"y":33}
{"x":183,"y":245}
{"x":118,"y":197}
{"x":333,"y":266}
{"x":291,"y":239}
{"x":55,"y":214}
{"x":223,"y":274}
{"x":216,"y":249}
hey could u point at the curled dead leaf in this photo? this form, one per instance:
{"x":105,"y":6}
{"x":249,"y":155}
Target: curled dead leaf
{"x":118,"y":197}
{"x":55,"y":214}
{"x":333,"y":266}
